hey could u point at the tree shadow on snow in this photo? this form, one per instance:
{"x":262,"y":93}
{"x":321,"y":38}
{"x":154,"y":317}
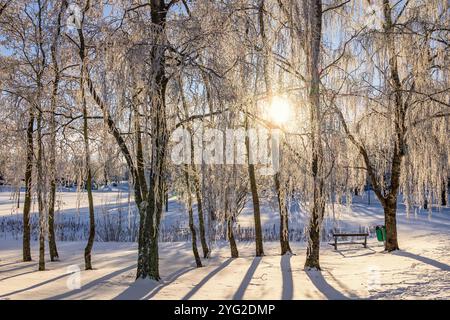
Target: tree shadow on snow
{"x":18,"y":275}
{"x":91,"y":284}
{"x":247,"y":279}
{"x":16,"y":262}
{"x":145,"y":290}
{"x":431,"y":262}
{"x":288,"y":283}
{"x":323,"y":286}
{"x":28,"y":265}
{"x":343,"y":286}
{"x":34,"y":286}
{"x":207,"y":278}
{"x":353,"y":253}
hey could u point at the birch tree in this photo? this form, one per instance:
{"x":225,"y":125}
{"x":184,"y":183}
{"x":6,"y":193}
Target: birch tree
{"x":407,"y":88}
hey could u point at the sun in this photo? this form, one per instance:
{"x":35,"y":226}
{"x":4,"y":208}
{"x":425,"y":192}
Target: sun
{"x":280,"y":110}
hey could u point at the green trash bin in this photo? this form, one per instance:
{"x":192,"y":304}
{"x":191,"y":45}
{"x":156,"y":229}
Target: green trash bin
{"x":381,"y":233}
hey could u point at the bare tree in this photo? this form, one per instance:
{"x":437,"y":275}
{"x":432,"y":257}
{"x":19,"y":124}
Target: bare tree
{"x":52,"y":159}
{"x":399,"y":104}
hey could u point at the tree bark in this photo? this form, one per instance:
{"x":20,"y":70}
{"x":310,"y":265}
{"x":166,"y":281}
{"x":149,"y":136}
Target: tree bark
{"x":52,"y":161}
{"x":198,"y":261}
{"x":91,"y":238}
{"x":54,"y":256}
{"x":140,"y":165}
{"x":284,"y":218}
{"x":444,"y":193}
{"x":148,"y":264}
{"x":390,"y":203}
{"x":40,"y":186}
{"x":198,"y":196}
{"x":90,"y":243}
{"x":148,"y":259}
{"x":318,"y":205}
{"x":28,"y":184}
{"x":166,"y":200}
{"x":230,"y":234}
{"x":313,"y":249}
{"x":255,"y":198}
{"x":18,"y":196}
{"x":390,"y":212}
{"x":87,"y":158}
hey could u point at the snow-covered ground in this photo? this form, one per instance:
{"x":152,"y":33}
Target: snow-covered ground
{"x":421,"y":270}
{"x":68,"y":202}
{"x":72,"y":206}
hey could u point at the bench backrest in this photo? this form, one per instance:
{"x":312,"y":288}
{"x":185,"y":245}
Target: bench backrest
{"x":350,"y":234}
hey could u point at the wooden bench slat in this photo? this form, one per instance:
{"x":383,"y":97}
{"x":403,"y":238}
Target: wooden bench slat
{"x":331,"y":243}
{"x":350,"y":234}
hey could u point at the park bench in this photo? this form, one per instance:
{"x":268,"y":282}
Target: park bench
{"x":342,"y":235}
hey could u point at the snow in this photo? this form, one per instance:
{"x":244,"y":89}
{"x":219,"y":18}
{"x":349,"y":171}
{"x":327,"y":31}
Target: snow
{"x":421,"y":270}
{"x":68,"y":201}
